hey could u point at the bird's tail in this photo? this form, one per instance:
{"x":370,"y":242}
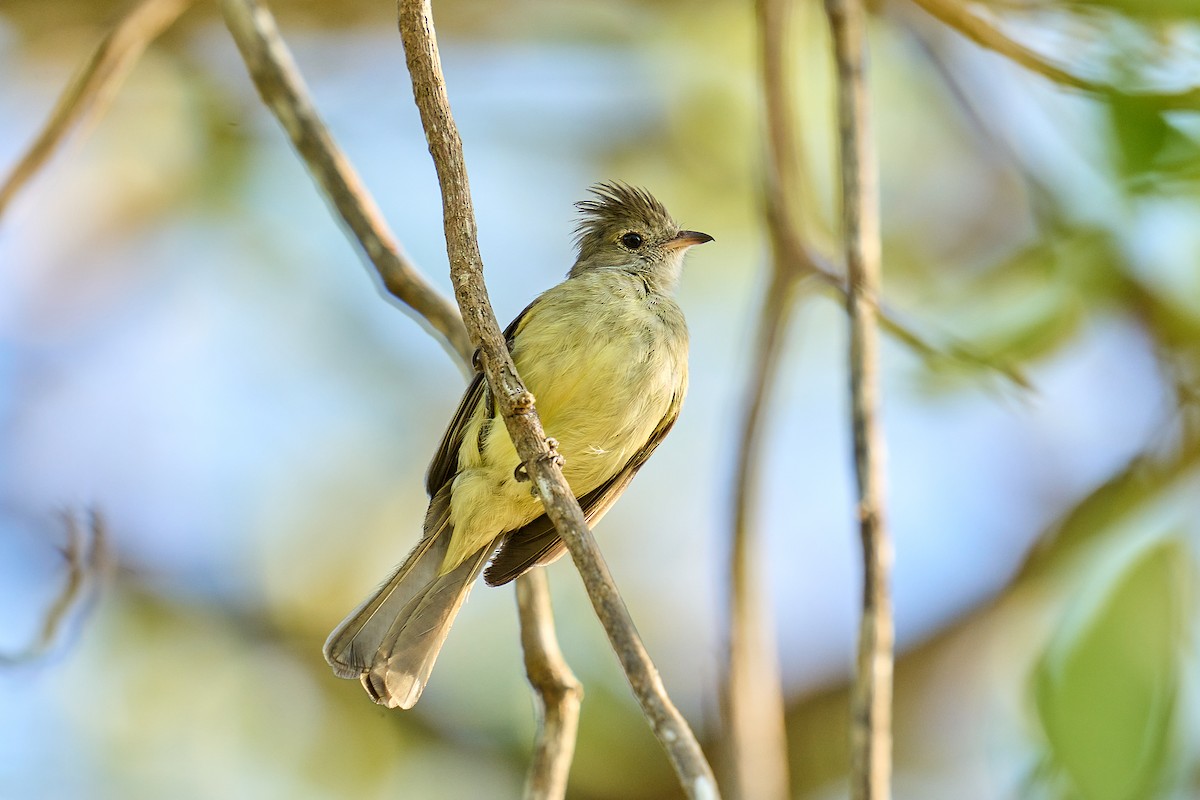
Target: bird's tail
{"x":391,"y":641}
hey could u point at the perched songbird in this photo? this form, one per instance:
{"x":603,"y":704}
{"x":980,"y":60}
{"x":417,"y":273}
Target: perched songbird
{"x":605,"y":355}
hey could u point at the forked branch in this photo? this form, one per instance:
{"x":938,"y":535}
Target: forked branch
{"x":85,"y":554}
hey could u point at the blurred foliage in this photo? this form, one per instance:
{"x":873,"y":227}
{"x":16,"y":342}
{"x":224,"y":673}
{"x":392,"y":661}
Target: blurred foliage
{"x":1153,"y":10}
{"x":1108,"y":684}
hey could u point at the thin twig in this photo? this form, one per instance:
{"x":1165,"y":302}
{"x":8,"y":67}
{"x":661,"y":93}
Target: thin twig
{"x":871,"y":736}
{"x":84,"y":553}
{"x":954,"y":13}
{"x":278,"y":79}
{"x":283,"y":90}
{"x":90,"y":92}
{"x":558,"y":691}
{"x":516,"y":404}
{"x":785,"y":186}
{"x":804,"y":263}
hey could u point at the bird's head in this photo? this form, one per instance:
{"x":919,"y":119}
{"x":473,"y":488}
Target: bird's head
{"x":627,"y":228}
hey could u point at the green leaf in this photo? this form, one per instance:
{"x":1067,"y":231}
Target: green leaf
{"x":1157,"y":10}
{"x":1149,"y":148}
{"x":1106,"y":688}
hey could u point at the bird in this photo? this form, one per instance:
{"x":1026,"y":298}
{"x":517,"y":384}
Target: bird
{"x":605,"y":354}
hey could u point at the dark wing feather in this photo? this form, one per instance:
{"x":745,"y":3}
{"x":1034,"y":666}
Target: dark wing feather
{"x":444,"y":466}
{"x":538,"y":543}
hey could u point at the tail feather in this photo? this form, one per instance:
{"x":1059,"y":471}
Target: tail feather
{"x":351,"y":648}
{"x":406,"y":657}
{"x":391,"y":641}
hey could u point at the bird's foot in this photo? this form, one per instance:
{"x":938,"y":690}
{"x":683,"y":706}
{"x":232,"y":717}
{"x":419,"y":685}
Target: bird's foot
{"x":552,"y":453}
{"x":521,"y":473}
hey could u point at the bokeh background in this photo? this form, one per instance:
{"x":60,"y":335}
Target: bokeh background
{"x":190,"y":345}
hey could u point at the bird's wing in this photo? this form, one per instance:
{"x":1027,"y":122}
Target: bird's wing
{"x":538,"y":543}
{"x":444,"y":466}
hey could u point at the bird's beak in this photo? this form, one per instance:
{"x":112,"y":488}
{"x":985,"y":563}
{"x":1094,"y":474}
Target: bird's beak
{"x":686,"y":239}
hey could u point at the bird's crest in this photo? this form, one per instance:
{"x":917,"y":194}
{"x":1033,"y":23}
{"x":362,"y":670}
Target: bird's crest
{"x":619,"y":205}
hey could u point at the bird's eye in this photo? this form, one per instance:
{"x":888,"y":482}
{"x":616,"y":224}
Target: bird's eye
{"x":632,"y":240}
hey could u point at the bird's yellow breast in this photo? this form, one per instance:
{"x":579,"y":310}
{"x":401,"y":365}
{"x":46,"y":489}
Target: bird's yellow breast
{"x":604,"y":359}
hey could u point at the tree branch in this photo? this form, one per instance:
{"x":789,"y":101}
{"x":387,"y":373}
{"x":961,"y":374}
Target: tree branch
{"x":752,"y":702}
{"x":753,"y":705}
{"x":278,"y":79}
{"x":870,"y":736}
{"x":516,"y":404}
{"x":954,"y":14}
{"x":558,"y":691}
{"x":85,"y":554}
{"x":803,"y":262}
{"x":283,"y":91}
{"x":93,"y":88}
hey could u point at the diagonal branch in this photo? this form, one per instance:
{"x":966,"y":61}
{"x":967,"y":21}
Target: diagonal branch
{"x":871,"y":701}
{"x":516,"y":404}
{"x":955,"y":14}
{"x":802,"y":262}
{"x":283,"y":91}
{"x":90,"y":92}
{"x":279,"y":82}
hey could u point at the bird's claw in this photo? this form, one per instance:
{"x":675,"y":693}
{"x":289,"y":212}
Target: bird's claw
{"x":552,"y":453}
{"x":521,"y":473}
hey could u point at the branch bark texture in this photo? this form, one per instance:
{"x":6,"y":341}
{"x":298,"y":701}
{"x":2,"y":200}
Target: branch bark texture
{"x":278,"y":79}
{"x":871,"y":700}
{"x":516,"y":404}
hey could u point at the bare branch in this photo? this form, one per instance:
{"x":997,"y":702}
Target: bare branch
{"x":85,"y":553}
{"x":803,"y":262}
{"x":516,"y":404}
{"x":752,"y":703}
{"x":558,"y":691}
{"x":279,"y":82}
{"x":283,"y":90}
{"x":871,"y":738}
{"x":90,"y":92}
{"x":954,"y":13}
